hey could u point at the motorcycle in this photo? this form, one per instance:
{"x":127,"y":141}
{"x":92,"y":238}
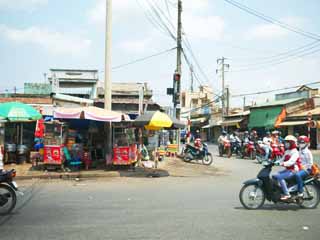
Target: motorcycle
{"x":8,"y":189}
{"x":249,"y":151}
{"x":275,"y":153}
{"x":192,"y":153}
{"x":225,"y":148}
{"x":235,"y":147}
{"x":255,"y":191}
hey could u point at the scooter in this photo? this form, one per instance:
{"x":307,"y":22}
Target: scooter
{"x":255,"y":191}
{"x":192,"y":153}
{"x":249,"y":151}
{"x":225,"y":148}
{"x":275,"y":153}
{"x":8,"y":189}
{"x":235,"y":147}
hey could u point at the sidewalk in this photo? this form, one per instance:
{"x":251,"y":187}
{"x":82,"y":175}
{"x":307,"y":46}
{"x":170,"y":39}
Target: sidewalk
{"x":25,"y":172}
{"x":171,"y":166}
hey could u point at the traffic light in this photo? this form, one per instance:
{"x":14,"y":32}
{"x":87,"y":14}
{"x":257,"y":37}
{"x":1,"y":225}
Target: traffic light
{"x":176,"y":88}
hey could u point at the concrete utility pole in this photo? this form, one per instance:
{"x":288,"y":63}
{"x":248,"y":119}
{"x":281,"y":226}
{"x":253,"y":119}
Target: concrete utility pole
{"x":176,"y":105}
{"x":227,"y":100}
{"x":191,"y":78}
{"x":107,"y":81}
{"x":107,"y":69}
{"x":221,"y":62}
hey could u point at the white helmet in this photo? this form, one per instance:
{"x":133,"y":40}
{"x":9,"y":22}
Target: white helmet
{"x":291,"y":138}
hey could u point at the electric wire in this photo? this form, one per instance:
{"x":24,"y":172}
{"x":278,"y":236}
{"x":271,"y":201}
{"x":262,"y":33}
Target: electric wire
{"x":273,"y":21}
{"x":273,"y":90}
{"x":143,"y":59}
{"x":276,"y":63}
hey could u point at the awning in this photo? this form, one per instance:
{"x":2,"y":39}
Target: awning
{"x":91,"y":113}
{"x":264,"y":117}
{"x":292,"y":123}
{"x":232,"y":122}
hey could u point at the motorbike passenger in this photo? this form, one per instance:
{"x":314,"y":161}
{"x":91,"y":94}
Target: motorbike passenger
{"x":267,"y":145}
{"x":306,"y":162}
{"x":291,"y":162}
{"x":275,"y":137}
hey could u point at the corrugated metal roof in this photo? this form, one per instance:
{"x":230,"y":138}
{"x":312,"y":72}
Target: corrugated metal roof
{"x":29,"y":100}
{"x":277,"y":103}
{"x":315,"y":111}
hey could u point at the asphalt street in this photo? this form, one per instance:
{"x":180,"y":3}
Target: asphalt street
{"x":198,"y":207}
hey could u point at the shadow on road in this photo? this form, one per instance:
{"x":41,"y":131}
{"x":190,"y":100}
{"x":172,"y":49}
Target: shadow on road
{"x":273,"y":207}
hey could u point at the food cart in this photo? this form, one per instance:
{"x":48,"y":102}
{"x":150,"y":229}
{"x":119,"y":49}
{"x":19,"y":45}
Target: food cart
{"x":53,"y":144}
{"x":125,"y":147}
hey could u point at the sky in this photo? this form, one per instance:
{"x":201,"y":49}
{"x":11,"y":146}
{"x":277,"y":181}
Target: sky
{"x":36,"y":35}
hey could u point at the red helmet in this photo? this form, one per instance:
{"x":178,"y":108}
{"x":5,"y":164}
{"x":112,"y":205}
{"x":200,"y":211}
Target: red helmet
{"x":303,"y":139}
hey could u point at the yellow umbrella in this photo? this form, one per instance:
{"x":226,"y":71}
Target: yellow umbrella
{"x":154,"y":120}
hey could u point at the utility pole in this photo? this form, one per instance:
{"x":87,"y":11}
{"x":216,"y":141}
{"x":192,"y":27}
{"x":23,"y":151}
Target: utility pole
{"x":107,"y":70}
{"x":107,"y":81}
{"x":227,"y":100}
{"x":191,"y":78}
{"x":223,"y":66}
{"x":177,"y":75}
{"x":244,"y":102}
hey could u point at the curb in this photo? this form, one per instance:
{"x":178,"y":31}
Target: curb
{"x":111,"y":174}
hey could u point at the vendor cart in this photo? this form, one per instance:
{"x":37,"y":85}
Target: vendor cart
{"x":125,"y":147}
{"x":53,"y":144}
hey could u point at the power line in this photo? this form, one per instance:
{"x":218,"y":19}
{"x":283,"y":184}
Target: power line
{"x":153,"y":21}
{"x":273,"y":90}
{"x":273,"y":21}
{"x":276,"y":63}
{"x":143,"y":59}
{"x":281,"y":58}
{"x":279,"y":54}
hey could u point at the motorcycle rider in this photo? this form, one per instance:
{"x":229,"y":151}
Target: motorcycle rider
{"x":291,"y":161}
{"x":267,"y":145}
{"x":222,"y":138}
{"x":254,"y":136}
{"x":197,"y":140}
{"x":306,"y":161}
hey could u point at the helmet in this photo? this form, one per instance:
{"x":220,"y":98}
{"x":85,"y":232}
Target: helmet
{"x":291,"y":138}
{"x":290,"y":142}
{"x":303,"y":139}
{"x":275,"y":132}
{"x":268,"y":133}
{"x":246,"y":132}
{"x":224,"y":132}
{"x":303,"y":142}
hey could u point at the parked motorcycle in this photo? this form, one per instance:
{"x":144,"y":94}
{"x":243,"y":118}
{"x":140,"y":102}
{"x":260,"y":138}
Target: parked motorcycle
{"x":192,"y":153}
{"x":255,"y":191}
{"x":225,"y":148}
{"x":249,"y":151}
{"x":8,"y":189}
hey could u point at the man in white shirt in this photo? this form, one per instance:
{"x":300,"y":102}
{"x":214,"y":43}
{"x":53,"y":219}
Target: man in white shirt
{"x":267,"y":145}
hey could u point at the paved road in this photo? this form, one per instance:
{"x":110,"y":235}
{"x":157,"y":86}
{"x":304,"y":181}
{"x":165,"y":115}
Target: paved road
{"x":202,"y":207}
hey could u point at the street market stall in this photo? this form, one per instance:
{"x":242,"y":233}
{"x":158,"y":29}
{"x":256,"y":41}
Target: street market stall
{"x":124,"y":147}
{"x":88,"y":124}
{"x":54,"y":138}
{"x":17,"y":116}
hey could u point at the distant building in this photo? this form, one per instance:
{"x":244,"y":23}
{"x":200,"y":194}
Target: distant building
{"x":301,"y":92}
{"x":129,"y":97}
{"x":199,"y":103}
{"x":74,"y":82}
